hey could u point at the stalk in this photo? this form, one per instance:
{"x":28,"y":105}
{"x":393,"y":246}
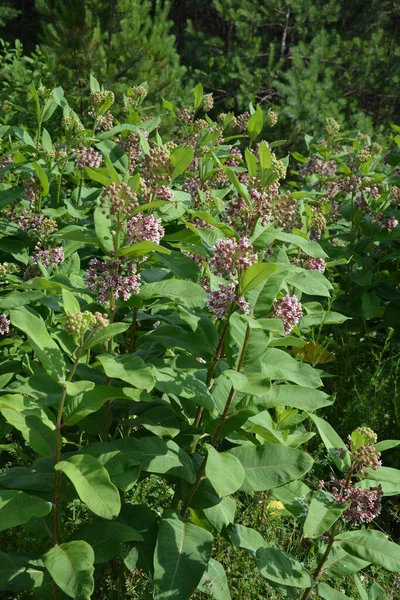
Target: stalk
{"x":56,"y":501}
{"x":321,"y":563}
{"x":218,"y":430}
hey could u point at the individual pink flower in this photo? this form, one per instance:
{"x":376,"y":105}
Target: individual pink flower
{"x":289,"y":310}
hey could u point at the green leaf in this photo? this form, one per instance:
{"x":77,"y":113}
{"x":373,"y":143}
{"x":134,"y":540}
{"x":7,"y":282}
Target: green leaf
{"x":246,"y":538}
{"x":296,"y":396}
{"x":386,"y":445}
{"x":182,"y":554}
{"x":270,"y":466}
{"x":224,"y":472}
{"x":9,"y":195}
{"x":332,"y":443}
{"x":16,"y":299}
{"x":370,"y":305}
{"x":237,"y":185}
{"x":81,"y":406}
{"x":20,"y":572}
{"x":100,"y":175}
{"x":44,"y":180}
{"x":327,"y":593}
{"x":93,"y":485}
{"x":265,"y":155}
{"x":17,"y":508}
{"x":280,"y":567}
{"x":255,"y":384}
{"x":71,"y":567}
{"x":190,"y":294}
{"x":32,"y":420}
{"x":70,"y":303}
{"x":323,"y":512}
{"x":143,"y":248}
{"x":131,"y":369}
{"x":198,"y":96}
{"x":107,"y":333}
{"x":103,"y":227}
{"x":221,"y":514}
{"x":279,"y":365}
{"x":386,"y":477}
{"x":376,"y":592}
{"x":372,"y":546}
{"x":105,"y":537}
{"x":340,"y":563}
{"x":184,"y":385}
{"x":360,"y":588}
{"x":310,"y":282}
{"x":251,"y":162}
{"x":311,"y":248}
{"x":255,"y":123}
{"x":181,"y":159}
{"x":214,"y":582}
{"x":42,"y":344}
{"x":256,"y":275}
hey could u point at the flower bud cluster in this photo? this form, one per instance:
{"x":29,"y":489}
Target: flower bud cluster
{"x":289,"y":310}
{"x":332,"y":127}
{"x":318,"y":166}
{"x":156,"y":166}
{"x":97,"y":99}
{"x":229,"y":257}
{"x":112,"y":279}
{"x":366,"y":457}
{"x":77,"y":323}
{"x":106,"y":121}
{"x":241,"y":121}
{"x":140,"y":91}
{"x":235,"y":159}
{"x":271,"y":118}
{"x":3,"y":270}
{"x":4,"y":325}
{"x":31,"y":188}
{"x":220,"y":300}
{"x":318,"y":226}
{"x":208,"y":102}
{"x":186,"y":115}
{"x":118,"y":200}
{"x":87,"y":157}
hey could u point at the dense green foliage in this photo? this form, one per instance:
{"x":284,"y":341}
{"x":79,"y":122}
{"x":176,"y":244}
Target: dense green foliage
{"x":164,"y":317}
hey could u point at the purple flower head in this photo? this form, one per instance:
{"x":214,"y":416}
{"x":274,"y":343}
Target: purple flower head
{"x":112,"y":277}
{"x":4,"y":325}
{"x":147,"y":229}
{"x":229,"y":257}
{"x":387,"y":223}
{"x":220,"y":300}
{"x":87,"y":157}
{"x":52,"y":257}
{"x":289,"y":310}
{"x":364,"y":505}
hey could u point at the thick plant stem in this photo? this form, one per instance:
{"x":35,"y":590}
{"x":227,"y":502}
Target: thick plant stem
{"x":321,"y":563}
{"x":57,"y":457}
{"x":211,"y":371}
{"x":216,"y":437}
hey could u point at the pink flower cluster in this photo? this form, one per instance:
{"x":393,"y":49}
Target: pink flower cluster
{"x":4,"y":325}
{"x":113,"y":277}
{"x":315,"y":264}
{"x":52,"y":257}
{"x":164,"y":193}
{"x":364,"y":504}
{"x":220,"y":300}
{"x":289,"y":310}
{"x":147,"y":229}
{"x":386,"y":222}
{"x":229,"y":257}
{"x":87,"y":157}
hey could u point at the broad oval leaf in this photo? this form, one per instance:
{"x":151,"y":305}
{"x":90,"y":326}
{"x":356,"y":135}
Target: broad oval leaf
{"x":328,"y":593}
{"x":323,"y":512}
{"x":181,"y":556}
{"x":71,"y":567}
{"x":224,"y":471}
{"x":214,"y":582}
{"x":280,"y":567}
{"x":371,"y":546}
{"x":17,"y":508}
{"x":20,"y":572}
{"x":93,"y":485}
{"x":270,"y":466}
